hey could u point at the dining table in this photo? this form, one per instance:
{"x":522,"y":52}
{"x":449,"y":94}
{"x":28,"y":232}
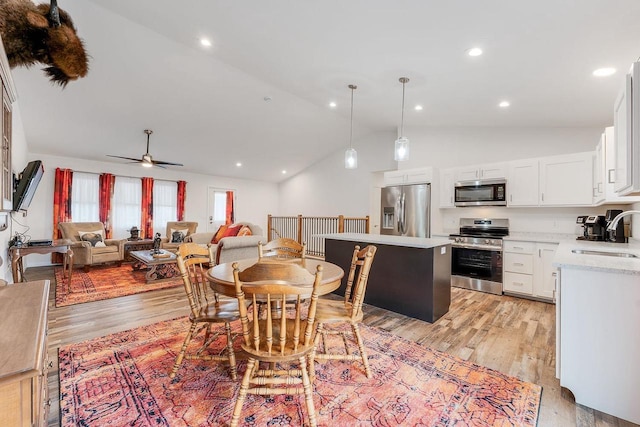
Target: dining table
{"x":221,"y":276}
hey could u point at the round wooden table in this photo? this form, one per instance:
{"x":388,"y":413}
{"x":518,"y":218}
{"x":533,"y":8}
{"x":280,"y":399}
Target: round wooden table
{"x":221,"y":276}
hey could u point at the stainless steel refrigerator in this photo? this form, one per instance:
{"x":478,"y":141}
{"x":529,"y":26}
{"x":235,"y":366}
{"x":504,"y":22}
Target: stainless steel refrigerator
{"x":406,"y":210}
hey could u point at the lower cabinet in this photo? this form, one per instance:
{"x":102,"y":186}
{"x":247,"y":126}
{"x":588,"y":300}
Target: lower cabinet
{"x":528,"y":269}
{"x":23,"y":372}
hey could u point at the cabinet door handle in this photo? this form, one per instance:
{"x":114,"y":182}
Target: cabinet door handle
{"x":612,"y":176}
{"x":599,"y":187}
{"x":539,"y":253}
{"x":594,"y":191}
{"x":511,"y":197}
{"x":518,"y":247}
{"x":518,"y":263}
{"x":542,"y":195}
{"x":518,"y":283}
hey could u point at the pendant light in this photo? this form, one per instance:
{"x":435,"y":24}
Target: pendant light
{"x":401,"y":151}
{"x":351,"y":156}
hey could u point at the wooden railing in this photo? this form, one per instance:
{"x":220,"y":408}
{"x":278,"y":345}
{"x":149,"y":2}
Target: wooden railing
{"x":306,"y":228}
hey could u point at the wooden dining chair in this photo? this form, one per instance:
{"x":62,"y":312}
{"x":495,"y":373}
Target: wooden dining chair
{"x":206,"y":308}
{"x":282,"y":248}
{"x":284,"y":342}
{"x":348,"y":311}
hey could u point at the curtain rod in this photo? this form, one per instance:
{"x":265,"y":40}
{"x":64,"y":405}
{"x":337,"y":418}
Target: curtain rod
{"x":124,"y":176}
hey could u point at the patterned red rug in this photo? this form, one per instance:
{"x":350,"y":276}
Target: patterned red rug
{"x":122,"y":379}
{"x":104,"y":282}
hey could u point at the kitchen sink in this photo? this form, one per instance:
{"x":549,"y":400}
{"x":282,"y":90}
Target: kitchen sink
{"x":605,"y":253}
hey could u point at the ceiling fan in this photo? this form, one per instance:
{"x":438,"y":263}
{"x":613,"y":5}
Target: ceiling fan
{"x":146,"y":160}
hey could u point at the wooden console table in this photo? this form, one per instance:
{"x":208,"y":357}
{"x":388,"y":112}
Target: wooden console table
{"x":136,"y":245}
{"x":62,"y":246}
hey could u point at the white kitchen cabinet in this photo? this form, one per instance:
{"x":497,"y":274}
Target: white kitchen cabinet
{"x":408,"y":176}
{"x":447,"y":192}
{"x":522,"y":183}
{"x":598,"y":340}
{"x":611,"y":196}
{"x":528,"y":269}
{"x":567,"y":180}
{"x":626,"y":122}
{"x":599,"y":172}
{"x":488,"y":171}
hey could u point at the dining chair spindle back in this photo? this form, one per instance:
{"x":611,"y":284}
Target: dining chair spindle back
{"x":348,"y":311}
{"x":205,"y":309}
{"x":282,"y":248}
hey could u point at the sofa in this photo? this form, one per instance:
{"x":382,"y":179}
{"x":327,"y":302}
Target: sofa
{"x":234,"y":248}
{"x":89,"y":244}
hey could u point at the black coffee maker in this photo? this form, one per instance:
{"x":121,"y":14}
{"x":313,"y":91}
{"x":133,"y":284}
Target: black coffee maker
{"x":617,"y":234}
{"x":595,"y":228}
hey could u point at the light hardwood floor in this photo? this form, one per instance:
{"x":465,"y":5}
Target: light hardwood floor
{"x":512,"y":335}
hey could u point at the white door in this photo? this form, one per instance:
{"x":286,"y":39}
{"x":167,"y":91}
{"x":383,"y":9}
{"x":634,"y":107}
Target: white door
{"x":216,"y":208}
{"x":522,"y":184}
{"x":545,"y":279}
{"x":567,"y":180}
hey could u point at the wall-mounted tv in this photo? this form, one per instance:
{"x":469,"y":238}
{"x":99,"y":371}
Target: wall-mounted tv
{"x":26,"y":186}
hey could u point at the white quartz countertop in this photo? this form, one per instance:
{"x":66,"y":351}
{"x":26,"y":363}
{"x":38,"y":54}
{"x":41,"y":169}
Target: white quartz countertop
{"x":410,"y":242}
{"x":540,"y":237}
{"x":568,"y":258}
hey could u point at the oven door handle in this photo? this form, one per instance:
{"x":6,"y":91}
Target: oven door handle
{"x":478,"y":247}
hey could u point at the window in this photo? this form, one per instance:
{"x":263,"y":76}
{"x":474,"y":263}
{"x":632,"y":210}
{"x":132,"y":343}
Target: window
{"x":85,"y":193}
{"x":165,"y":204}
{"x":220,"y":207}
{"x":125,"y":206}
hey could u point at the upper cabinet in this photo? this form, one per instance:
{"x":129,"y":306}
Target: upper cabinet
{"x":567,"y":180}
{"x":522,"y":183}
{"x":599,"y":172}
{"x":8,"y":97}
{"x":608,"y":165}
{"x":408,"y":176}
{"x":447,"y":192}
{"x":626,"y":122}
{"x":489,"y":171}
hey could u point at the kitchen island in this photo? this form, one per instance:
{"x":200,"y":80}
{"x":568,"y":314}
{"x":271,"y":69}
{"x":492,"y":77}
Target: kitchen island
{"x":597,"y":318}
{"x":409,"y":275}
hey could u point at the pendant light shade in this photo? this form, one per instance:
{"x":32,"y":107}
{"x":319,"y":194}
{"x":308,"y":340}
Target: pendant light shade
{"x":351,"y":155}
{"x":401,"y":149}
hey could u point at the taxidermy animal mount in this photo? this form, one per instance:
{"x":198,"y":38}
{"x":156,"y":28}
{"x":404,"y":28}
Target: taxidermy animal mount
{"x":45,"y":34}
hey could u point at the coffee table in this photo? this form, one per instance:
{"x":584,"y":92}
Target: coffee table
{"x":159,"y":268}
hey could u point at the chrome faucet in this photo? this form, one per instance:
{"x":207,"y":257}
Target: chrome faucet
{"x":614,"y":223}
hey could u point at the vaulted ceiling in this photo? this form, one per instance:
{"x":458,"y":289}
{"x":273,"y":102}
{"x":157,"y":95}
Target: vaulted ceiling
{"x":260,"y":94}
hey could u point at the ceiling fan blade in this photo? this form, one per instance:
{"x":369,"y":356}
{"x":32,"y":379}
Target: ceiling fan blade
{"x":160,"y":162}
{"x":126,"y":158}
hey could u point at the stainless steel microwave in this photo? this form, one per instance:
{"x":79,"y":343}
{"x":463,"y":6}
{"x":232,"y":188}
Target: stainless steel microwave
{"x":488,"y":192}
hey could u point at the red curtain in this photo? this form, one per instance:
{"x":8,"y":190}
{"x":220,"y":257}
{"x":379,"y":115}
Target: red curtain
{"x":107,"y":182}
{"x":146,"y":218}
{"x":61,"y":204}
{"x":182,"y":195}
{"x":229,"y":213}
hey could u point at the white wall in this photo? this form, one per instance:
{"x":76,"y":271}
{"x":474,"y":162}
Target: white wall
{"x":328,"y":189}
{"x":254,"y":200}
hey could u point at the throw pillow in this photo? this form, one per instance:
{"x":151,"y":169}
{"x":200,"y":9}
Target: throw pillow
{"x":177,"y":236}
{"x":232,"y":230}
{"x":244,"y":231}
{"x":219,"y":234}
{"x":93,"y":237}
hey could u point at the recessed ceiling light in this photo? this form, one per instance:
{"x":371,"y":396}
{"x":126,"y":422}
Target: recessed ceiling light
{"x":504,"y":104}
{"x":238,"y":164}
{"x":604,"y":72}
{"x":333,"y":105}
{"x":284,"y":171}
{"x":418,"y":107}
{"x":205,"y":42}
{"x":474,"y":51}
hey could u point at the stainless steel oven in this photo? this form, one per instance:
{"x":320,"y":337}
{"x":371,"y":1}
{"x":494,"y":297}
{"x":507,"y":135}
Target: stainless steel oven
{"x":481,"y":193}
{"x":476,"y":254}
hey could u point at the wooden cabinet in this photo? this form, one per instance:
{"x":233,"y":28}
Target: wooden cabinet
{"x":489,"y":171}
{"x":528,"y":269}
{"x":8,"y":97}
{"x":522,"y":183}
{"x":23,"y":372}
{"x":567,"y":180}
{"x":447,"y":191}
{"x":408,"y":176}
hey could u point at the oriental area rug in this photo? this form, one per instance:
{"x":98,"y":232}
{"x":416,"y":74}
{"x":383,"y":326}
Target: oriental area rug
{"x":104,"y":282}
{"x":122,"y":379}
